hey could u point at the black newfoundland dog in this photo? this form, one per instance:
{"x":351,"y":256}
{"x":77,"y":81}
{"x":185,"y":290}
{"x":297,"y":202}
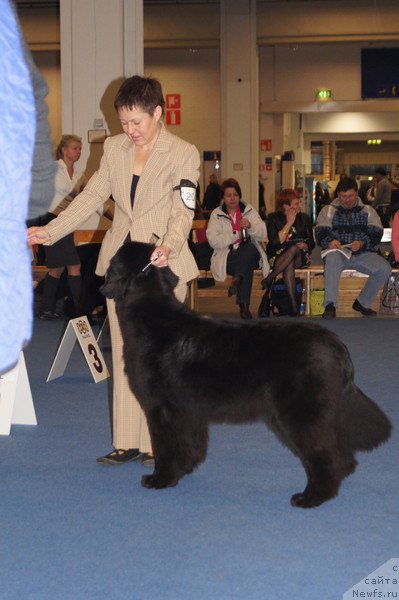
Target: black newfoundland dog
{"x":187,"y":371}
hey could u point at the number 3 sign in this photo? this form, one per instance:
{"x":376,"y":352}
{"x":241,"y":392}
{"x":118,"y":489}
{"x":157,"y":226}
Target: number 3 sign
{"x":79,"y":329}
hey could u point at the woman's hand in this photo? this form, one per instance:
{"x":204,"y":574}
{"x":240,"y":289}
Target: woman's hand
{"x":159,"y":257}
{"x":245,"y":223}
{"x":302,"y":246}
{"x":37,"y":235}
{"x":291,"y":214}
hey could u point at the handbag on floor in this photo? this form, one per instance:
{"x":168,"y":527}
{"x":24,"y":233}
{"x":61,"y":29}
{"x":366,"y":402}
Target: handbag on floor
{"x":276,"y":300}
{"x":389,"y":304}
{"x":280,"y":303}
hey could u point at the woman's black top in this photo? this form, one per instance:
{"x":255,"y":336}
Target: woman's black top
{"x":135,"y":181}
{"x":301,"y":229}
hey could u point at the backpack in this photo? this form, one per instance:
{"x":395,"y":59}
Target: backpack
{"x":280,"y":303}
{"x":389,"y":304}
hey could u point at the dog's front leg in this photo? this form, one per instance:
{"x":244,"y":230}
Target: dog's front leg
{"x":159,"y":479}
{"x":163,"y":424}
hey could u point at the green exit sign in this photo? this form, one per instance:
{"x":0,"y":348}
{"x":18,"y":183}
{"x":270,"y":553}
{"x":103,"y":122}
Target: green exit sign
{"x":323,"y":94}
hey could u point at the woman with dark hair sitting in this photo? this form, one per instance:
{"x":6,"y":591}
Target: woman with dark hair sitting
{"x":235,"y":232}
{"x":290,"y":242}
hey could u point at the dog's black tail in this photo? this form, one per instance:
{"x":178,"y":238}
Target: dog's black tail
{"x":364,"y":425}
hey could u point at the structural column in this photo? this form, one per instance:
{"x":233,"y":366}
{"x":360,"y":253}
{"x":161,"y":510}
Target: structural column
{"x":101,"y":43}
{"x":239,"y":95}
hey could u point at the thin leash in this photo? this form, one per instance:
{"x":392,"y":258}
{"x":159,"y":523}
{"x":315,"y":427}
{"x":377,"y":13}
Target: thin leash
{"x":151,"y":262}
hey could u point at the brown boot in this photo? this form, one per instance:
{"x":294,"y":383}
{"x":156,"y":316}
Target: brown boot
{"x":245,"y":312}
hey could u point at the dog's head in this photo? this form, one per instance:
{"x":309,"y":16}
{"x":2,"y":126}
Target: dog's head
{"x":125,"y":273}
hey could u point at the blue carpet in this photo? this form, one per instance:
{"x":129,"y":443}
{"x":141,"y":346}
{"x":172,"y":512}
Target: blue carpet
{"x":71,"y":529}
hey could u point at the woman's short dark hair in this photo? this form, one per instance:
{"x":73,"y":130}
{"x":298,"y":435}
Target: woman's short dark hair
{"x":345,"y":184}
{"x":142,"y":92}
{"x":230,"y":183}
{"x":286,"y":196}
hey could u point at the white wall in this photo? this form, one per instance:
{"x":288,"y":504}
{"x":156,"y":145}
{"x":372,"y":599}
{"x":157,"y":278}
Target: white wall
{"x":291,"y":75}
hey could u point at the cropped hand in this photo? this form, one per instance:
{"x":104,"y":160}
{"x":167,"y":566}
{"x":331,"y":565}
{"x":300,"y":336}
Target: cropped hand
{"x":302,"y":245}
{"x":159,"y":257}
{"x":334,"y":244}
{"x":245,"y":223}
{"x":37,"y":235}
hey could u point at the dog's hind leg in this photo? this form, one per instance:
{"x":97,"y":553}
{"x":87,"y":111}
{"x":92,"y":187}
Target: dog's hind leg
{"x":179,"y":441}
{"x":323,"y":480}
{"x":325,"y":463}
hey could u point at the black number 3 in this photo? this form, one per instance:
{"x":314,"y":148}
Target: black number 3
{"x":97,"y":364}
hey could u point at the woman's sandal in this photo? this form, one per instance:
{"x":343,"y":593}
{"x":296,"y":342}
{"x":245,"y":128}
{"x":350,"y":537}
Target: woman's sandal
{"x":120,"y":457}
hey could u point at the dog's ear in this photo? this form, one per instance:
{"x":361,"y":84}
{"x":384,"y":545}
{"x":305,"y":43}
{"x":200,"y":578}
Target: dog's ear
{"x":116,"y":280}
{"x":125,"y":267}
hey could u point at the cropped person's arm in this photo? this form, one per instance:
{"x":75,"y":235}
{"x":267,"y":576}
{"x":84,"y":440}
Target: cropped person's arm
{"x":395,"y":236}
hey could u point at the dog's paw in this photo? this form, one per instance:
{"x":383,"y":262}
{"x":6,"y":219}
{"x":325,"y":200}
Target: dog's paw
{"x":156,"y":482}
{"x":302,"y":500}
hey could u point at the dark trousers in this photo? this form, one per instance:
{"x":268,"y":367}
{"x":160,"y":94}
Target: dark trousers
{"x":242,"y":262}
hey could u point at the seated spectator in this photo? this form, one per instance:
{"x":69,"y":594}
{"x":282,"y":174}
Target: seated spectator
{"x":290,"y":243}
{"x":235,"y":232}
{"x":347,"y":225}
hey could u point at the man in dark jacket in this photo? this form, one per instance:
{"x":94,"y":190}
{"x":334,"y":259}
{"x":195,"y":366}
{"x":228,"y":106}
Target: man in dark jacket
{"x":347,"y":232}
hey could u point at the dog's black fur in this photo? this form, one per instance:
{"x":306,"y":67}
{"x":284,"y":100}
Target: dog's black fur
{"x":187,"y":371}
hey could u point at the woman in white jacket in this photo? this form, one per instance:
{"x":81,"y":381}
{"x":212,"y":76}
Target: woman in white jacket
{"x":235,"y":232}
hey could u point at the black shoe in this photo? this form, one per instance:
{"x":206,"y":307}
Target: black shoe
{"x":119,"y":457}
{"x":329,"y":312}
{"x":267,"y":282}
{"x":235,"y":284}
{"x":366,"y":312}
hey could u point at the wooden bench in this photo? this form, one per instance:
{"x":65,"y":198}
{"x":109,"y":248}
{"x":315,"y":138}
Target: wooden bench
{"x":219,"y":290}
{"x":351,"y":284}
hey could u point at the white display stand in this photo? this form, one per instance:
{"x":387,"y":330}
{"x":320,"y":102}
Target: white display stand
{"x":104,"y":328}
{"x":79,"y":329}
{"x":16,"y":403}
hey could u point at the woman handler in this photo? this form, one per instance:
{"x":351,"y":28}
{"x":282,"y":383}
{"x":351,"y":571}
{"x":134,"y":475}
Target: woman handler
{"x":152,"y":176}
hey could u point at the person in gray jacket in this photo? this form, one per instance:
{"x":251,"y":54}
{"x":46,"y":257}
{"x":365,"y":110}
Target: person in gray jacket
{"x":236,"y":232}
{"x":347,"y":232}
{"x":383,"y":195}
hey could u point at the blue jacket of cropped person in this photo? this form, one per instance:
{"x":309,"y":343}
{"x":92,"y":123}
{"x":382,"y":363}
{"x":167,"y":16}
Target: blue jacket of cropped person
{"x":360,"y":222}
{"x":17,"y":135}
